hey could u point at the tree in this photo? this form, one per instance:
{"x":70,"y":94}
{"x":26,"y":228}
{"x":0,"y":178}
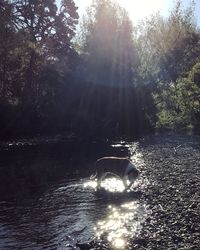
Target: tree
{"x":36,"y":50}
{"x":8,"y":51}
{"x":46,"y":33}
{"x":168,"y":47}
{"x":179,"y":104}
{"x":107,"y":44}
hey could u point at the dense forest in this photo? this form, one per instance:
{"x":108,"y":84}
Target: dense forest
{"x":96,"y":76}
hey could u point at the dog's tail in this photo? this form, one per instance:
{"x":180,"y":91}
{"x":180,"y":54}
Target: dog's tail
{"x":93,"y":176}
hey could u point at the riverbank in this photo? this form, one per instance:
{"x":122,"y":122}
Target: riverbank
{"x":45,"y":181}
{"x":172,"y":166}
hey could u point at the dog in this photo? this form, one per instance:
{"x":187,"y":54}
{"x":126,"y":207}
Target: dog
{"x":118,"y":166}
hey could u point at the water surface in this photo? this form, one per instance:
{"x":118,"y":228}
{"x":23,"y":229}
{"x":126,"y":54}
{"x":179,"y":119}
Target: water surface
{"x":48,"y":202}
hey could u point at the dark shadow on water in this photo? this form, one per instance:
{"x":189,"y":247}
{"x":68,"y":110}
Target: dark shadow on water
{"x":27,"y":171}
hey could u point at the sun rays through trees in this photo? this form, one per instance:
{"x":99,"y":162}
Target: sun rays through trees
{"x":106,"y":77}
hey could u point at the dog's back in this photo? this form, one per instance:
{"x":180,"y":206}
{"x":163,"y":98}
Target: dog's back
{"x":113,"y":164}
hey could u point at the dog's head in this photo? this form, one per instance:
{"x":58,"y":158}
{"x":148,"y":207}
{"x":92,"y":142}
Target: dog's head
{"x":133,"y":174}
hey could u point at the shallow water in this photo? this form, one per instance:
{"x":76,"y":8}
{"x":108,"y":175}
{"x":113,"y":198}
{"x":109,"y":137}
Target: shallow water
{"x":48,"y":202}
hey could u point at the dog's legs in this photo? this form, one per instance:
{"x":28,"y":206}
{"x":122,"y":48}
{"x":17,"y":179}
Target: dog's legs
{"x":100,"y":180}
{"x":108,"y":174}
{"x":125,"y":181}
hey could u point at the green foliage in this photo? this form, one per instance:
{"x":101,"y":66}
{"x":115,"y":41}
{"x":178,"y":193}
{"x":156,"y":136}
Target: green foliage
{"x":168,"y":47}
{"x":33,"y":34}
{"x":179,"y":103}
{"x":35,"y":37}
{"x":195,"y":74}
{"x":114,"y":79}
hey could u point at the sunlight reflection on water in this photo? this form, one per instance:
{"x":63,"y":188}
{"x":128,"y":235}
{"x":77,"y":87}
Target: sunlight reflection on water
{"x":90,"y":184}
{"x":113,"y":185}
{"x":122,"y":222}
{"x":108,"y":184}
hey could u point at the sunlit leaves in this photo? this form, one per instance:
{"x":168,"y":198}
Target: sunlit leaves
{"x":179,"y":103}
{"x":168,"y":47}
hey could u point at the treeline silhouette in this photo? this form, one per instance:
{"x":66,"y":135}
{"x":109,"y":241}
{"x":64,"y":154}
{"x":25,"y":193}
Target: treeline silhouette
{"x":106,"y":78}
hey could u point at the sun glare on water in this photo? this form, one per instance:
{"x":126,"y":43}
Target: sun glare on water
{"x":119,"y":243}
{"x":121,"y":223}
{"x":113,"y":185}
{"x":108,"y":184}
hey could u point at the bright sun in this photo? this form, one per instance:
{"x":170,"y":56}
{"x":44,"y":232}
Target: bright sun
{"x":139,"y":9}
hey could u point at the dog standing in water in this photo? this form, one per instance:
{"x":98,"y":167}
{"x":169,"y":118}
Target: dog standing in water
{"x":119,"y":166}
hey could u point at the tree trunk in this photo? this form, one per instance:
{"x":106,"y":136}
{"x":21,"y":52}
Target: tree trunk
{"x":28,"y":92}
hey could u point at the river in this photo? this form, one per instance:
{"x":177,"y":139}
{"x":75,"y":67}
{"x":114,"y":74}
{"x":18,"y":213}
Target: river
{"x":48,"y":202}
